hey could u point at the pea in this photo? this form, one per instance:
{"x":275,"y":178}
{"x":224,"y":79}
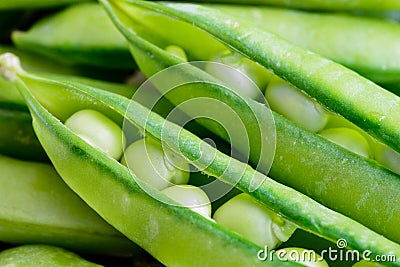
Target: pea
{"x":349,"y":139}
{"x":190,"y":196}
{"x":244,"y":215}
{"x":295,"y":105}
{"x":147,"y":160}
{"x":255,"y":77}
{"x":387,"y":157}
{"x":177,"y":51}
{"x":97,"y":130}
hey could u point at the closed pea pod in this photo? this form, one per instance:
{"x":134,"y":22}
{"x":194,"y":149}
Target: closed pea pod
{"x":38,"y":207}
{"x":42,"y":256}
{"x":80,"y":34}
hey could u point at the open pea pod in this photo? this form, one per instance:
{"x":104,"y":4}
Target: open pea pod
{"x":319,"y":4}
{"x":171,"y":233}
{"x":372,"y":53}
{"x":335,"y":177}
{"x":356,"y":98}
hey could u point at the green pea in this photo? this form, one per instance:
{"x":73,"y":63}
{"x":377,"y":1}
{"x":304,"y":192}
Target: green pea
{"x":349,"y":139}
{"x":41,"y":256}
{"x":190,"y":196}
{"x":97,"y":130}
{"x":257,"y":223}
{"x":304,"y":256}
{"x":387,"y":157}
{"x":147,"y":160}
{"x":255,"y":77}
{"x":295,"y":105}
{"x":177,"y":51}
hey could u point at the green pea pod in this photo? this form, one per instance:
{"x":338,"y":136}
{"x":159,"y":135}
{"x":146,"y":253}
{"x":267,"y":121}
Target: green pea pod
{"x":81,"y":34}
{"x":349,"y":184}
{"x":331,"y":5}
{"x":359,"y":100}
{"x":42,"y":256}
{"x":35,"y":4}
{"x":366,"y":45}
{"x":17,"y":138}
{"x":170,"y":233}
{"x":37,"y":207}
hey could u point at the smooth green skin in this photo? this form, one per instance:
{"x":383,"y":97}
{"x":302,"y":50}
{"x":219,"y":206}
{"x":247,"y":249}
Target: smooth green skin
{"x":335,"y":177}
{"x":295,"y":105}
{"x":302,"y":255}
{"x":38,"y":207}
{"x":257,"y":77}
{"x":333,"y":5}
{"x":366,"y":45}
{"x":190,"y":196}
{"x":349,"y":139}
{"x":191,"y":231}
{"x":35,"y":63}
{"x":121,"y":201}
{"x":148,"y":161}
{"x":42,"y":256}
{"x":362,"y":102}
{"x":17,"y":138}
{"x":81,"y":34}
{"x":98,"y":130}
{"x":35,"y":4}
{"x":242,"y":214}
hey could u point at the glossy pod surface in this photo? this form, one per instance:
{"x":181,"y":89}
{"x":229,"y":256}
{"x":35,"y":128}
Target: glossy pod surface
{"x":117,"y":186}
{"x":46,"y":211}
{"x":320,"y":169}
{"x":42,"y":256}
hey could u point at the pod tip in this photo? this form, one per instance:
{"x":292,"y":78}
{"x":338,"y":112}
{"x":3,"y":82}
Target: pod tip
{"x":9,"y":66}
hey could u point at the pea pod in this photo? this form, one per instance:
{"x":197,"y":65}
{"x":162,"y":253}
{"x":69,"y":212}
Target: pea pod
{"x":80,"y":34}
{"x":17,"y":138}
{"x":331,"y":5}
{"x":42,"y":256}
{"x":190,"y":231}
{"x":37,"y":207}
{"x":342,"y":181}
{"x":33,"y":4}
{"x":372,"y":52}
{"x":367,"y":105}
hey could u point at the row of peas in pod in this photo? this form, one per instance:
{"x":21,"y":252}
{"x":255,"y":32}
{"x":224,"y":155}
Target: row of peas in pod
{"x":199,"y":134}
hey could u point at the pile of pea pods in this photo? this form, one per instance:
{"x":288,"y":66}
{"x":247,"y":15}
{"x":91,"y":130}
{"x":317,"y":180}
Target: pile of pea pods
{"x":200,"y":133}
